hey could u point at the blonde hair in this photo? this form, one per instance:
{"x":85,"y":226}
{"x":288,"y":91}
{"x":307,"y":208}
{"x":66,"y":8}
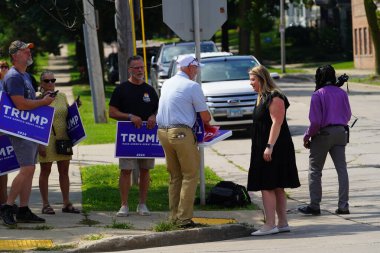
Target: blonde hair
{"x":266,"y":82}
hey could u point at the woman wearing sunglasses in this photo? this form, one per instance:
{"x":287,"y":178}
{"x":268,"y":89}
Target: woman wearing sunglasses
{"x":4,"y":67}
{"x":48,"y":154}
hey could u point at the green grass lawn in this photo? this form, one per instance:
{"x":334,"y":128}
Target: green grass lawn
{"x":74,"y":73}
{"x":96,"y":133}
{"x":40,"y":61}
{"x":100,"y":189}
{"x":375,"y":80}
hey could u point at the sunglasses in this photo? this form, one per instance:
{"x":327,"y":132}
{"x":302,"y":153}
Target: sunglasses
{"x":49,"y":80}
{"x":4,"y":67}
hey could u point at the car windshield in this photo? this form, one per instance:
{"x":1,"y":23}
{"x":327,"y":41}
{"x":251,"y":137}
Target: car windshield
{"x":171,"y":51}
{"x":227,"y":69}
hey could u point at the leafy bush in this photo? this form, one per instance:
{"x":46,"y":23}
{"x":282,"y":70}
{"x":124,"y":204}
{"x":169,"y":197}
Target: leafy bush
{"x":298,"y":35}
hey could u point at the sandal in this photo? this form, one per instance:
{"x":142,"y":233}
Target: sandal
{"x":70,"y":209}
{"x":47,"y":209}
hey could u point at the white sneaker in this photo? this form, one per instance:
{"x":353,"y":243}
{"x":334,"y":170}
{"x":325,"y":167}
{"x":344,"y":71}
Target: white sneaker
{"x":143,"y":210}
{"x":263,"y":231}
{"x":284,"y":229}
{"x":123,"y":212}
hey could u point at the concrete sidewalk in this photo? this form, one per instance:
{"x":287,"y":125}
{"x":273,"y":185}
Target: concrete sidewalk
{"x":230,"y":160}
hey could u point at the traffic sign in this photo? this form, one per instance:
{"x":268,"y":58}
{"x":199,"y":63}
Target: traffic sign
{"x":179,"y":16}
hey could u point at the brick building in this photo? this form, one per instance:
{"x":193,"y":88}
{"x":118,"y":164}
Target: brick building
{"x":363,"y":49}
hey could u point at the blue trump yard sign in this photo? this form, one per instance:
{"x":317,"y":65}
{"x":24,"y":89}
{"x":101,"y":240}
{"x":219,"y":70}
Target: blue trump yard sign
{"x":34,"y":125}
{"x":8,"y":160}
{"x":132,"y":142}
{"x":75,"y":128}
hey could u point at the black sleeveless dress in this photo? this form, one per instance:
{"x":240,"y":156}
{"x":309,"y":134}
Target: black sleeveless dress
{"x":281,"y":172}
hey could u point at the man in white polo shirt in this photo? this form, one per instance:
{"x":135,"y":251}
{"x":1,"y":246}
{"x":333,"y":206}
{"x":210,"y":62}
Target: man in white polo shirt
{"x":181,"y":99}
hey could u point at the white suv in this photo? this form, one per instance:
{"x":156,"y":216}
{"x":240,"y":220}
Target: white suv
{"x":160,"y":63}
{"x":225,"y":84}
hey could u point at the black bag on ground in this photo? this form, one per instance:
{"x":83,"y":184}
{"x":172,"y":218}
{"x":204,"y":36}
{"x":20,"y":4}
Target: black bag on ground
{"x":228,"y":194}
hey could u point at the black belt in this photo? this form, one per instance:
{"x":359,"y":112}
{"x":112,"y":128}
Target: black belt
{"x":174,"y":126}
{"x":334,"y":125}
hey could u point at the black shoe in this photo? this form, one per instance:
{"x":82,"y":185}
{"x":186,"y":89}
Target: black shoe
{"x":340,"y":211}
{"x":25,"y":215}
{"x":7,"y":215}
{"x":190,"y":224}
{"x":14,"y":209}
{"x":309,"y":210}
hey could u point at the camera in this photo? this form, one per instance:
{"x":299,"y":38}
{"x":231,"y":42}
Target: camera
{"x":53,"y":94}
{"x":341,"y":80}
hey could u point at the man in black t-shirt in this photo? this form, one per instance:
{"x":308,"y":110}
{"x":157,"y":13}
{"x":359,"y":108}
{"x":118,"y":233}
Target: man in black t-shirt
{"x":134,"y":101}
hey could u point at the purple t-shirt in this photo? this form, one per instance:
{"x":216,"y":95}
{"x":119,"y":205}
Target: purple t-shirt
{"x":329,"y":106}
{"x":19,"y":84}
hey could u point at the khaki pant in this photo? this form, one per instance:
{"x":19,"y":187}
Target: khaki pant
{"x":183,"y":161}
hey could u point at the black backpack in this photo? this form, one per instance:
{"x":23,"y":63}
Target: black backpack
{"x":228,"y":194}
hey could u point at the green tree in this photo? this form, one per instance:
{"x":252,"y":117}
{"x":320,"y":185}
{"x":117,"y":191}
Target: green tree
{"x":254,"y":16}
{"x":31,"y":21}
{"x":261,"y":17}
{"x":373,"y":17}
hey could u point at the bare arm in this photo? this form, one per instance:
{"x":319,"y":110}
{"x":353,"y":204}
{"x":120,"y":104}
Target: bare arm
{"x":206,"y":117}
{"x":277,"y":114}
{"x":115,"y":113}
{"x":22,"y":103}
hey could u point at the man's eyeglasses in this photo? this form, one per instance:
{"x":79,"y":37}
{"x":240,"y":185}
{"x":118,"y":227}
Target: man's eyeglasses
{"x":137,"y":67}
{"x":4,"y":67}
{"x":49,"y":80}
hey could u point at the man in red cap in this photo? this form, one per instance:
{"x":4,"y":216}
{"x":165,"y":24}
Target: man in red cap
{"x":18,"y":85}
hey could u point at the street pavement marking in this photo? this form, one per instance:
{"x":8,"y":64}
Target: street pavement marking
{"x":213,"y":221}
{"x":25,"y":244}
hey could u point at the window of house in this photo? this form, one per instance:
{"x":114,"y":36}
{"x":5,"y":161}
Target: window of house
{"x":356,"y":40}
{"x":369,"y":43}
{"x":365,"y":40}
{"x":360,"y":42}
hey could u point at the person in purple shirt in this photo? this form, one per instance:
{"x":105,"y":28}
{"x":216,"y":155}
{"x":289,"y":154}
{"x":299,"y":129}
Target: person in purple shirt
{"x":328,"y":133}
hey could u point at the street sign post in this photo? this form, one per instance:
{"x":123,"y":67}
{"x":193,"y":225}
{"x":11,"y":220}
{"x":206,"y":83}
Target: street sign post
{"x":178,"y":15}
{"x":195,"y":20}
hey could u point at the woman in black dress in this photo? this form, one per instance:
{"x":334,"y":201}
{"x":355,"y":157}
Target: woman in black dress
{"x":273,"y":164}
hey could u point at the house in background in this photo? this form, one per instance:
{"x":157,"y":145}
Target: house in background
{"x":298,"y":14}
{"x":348,"y":17}
{"x":323,"y":14}
{"x":364,"y":55}
{"x":337,"y":14}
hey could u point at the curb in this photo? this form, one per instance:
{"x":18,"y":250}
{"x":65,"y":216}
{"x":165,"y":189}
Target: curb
{"x":196,"y":235}
{"x":298,"y":77}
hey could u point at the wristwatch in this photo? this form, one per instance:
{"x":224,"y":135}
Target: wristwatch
{"x":269,"y":145}
{"x":130,"y":116}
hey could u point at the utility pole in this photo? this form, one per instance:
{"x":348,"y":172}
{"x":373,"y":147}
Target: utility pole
{"x":93,"y":62}
{"x":125,"y":44}
{"x":282,"y":35}
{"x":124,"y":36}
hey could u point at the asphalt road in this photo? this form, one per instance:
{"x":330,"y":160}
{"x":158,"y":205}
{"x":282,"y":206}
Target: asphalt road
{"x":357,"y":232}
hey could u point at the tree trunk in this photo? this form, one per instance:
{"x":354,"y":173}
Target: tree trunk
{"x":244,"y":30}
{"x":124,"y":37}
{"x":225,"y":41}
{"x":370,"y":9}
{"x":257,"y":44}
